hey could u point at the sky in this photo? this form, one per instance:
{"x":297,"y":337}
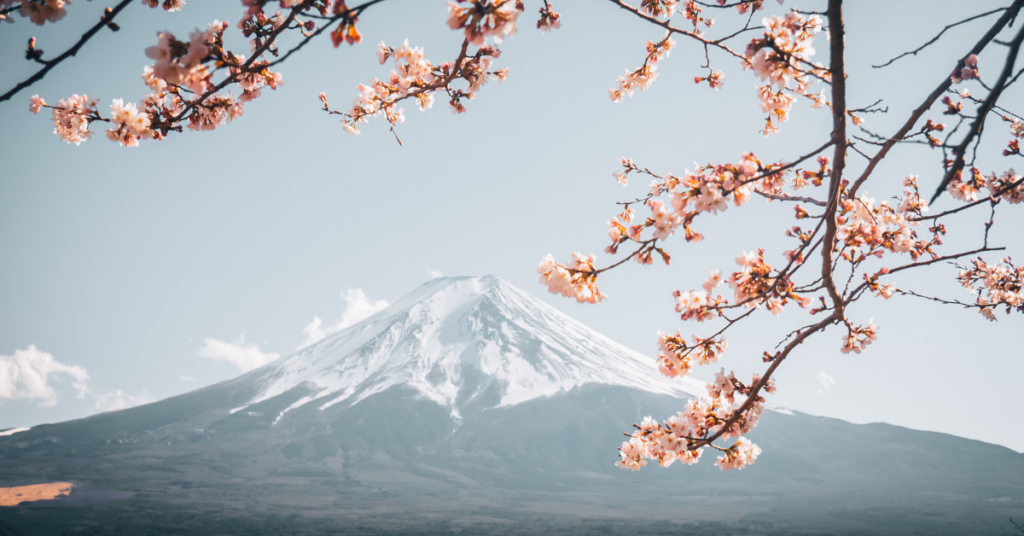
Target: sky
{"x":134,"y":274}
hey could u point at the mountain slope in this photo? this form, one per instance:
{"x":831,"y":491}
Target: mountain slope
{"x":470,"y":406}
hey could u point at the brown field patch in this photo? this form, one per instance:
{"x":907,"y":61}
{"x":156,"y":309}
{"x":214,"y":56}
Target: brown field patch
{"x":35,"y":492}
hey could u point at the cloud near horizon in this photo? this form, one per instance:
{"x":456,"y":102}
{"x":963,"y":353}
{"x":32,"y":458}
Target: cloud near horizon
{"x":826,"y":382}
{"x":244,"y":356}
{"x":358,"y":307}
{"x":118,"y":399}
{"x":29,"y":374}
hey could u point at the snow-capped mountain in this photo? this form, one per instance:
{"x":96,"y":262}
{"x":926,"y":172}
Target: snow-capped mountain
{"x":464,"y":343}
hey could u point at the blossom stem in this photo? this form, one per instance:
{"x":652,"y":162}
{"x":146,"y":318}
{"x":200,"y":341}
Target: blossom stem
{"x":1009,"y":15}
{"x":50,"y":64}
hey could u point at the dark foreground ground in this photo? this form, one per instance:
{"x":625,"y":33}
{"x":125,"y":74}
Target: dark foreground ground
{"x":394,"y":464}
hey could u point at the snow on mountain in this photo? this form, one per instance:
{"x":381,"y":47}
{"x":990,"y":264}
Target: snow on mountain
{"x":466,"y":343}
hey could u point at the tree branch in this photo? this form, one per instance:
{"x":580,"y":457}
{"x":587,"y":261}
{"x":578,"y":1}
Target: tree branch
{"x":936,"y":38}
{"x":837,"y":68}
{"x":979,"y":121}
{"x":1007,"y":16}
{"x":50,"y":64}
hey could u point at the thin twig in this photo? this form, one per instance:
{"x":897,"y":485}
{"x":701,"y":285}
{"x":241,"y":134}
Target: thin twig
{"x":979,"y":121}
{"x":50,"y":64}
{"x":1010,"y":13}
{"x":936,"y":38}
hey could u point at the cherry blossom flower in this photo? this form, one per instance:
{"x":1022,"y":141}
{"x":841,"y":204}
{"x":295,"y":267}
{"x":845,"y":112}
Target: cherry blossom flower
{"x":484,"y":18}
{"x":549,"y":19}
{"x":37,"y":104}
{"x":577,"y":279}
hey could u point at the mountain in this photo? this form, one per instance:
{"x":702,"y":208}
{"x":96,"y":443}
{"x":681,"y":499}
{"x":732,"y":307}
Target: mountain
{"x":468,"y":344}
{"x":470,"y":406}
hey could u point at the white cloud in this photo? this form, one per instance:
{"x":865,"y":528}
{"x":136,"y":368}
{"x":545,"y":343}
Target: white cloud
{"x":826,"y":382}
{"x":244,"y":356}
{"x":187,"y":379}
{"x":29,"y":374}
{"x":119,"y":399}
{"x":434,"y":274}
{"x":357,"y":308}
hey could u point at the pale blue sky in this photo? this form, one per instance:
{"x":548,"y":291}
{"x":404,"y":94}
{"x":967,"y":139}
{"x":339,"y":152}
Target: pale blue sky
{"x":122,"y":261}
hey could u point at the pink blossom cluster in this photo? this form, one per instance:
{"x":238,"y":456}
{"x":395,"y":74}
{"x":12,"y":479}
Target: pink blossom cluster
{"x":714,"y":79}
{"x":71,"y":117}
{"x":1017,"y":128}
{"x":484,"y":18}
{"x":857,"y":338}
{"x":1008,"y":186}
{"x":577,"y":279}
{"x":180,"y":63}
{"x":129,"y":125}
{"x":643,"y":76}
{"x":168,"y":5}
{"x":38,"y":11}
{"x":549,"y":19}
{"x":744,"y":6}
{"x":740,"y":455}
{"x":867,"y":227}
{"x":783,"y":55}
{"x":995,"y":284}
{"x":966,"y":190}
{"x":682,"y":436}
{"x":180,"y":68}
{"x":677,"y":358}
{"x":756,"y":284}
{"x":968,"y":71}
{"x":692,"y":13}
{"x":658,"y":8}
{"x":706,"y":190}
{"x":416,"y":78}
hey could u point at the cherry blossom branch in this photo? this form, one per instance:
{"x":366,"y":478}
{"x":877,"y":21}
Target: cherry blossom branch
{"x":940,"y":259}
{"x":994,"y":198}
{"x":936,"y":38}
{"x":935,"y":299}
{"x":105,"y":20}
{"x":349,"y":14}
{"x":1003,"y":20}
{"x":271,"y":38}
{"x":646,"y":244}
{"x":979,"y":121}
{"x":755,"y":389}
{"x":672,"y":29}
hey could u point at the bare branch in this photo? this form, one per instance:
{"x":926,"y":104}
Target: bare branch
{"x":668,"y":26}
{"x":936,"y":38}
{"x":1007,"y":16}
{"x":837,"y":68}
{"x":106,"y":19}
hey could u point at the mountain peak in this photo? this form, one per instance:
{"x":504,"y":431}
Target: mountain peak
{"x":466,"y":343}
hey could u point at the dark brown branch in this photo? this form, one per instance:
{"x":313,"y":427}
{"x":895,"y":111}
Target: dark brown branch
{"x":837,"y":68}
{"x":936,"y":38}
{"x":979,"y":121}
{"x":665,"y":24}
{"x":940,"y":259}
{"x":351,"y":13}
{"x":50,"y":64}
{"x":935,"y":299}
{"x":784,"y":197}
{"x":1010,"y":14}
